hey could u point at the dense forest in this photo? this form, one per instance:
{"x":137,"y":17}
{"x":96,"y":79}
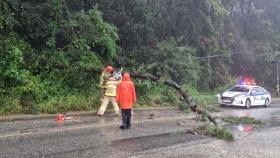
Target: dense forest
{"x":52,"y":50}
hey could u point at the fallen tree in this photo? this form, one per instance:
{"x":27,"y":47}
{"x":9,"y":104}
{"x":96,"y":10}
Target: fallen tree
{"x":187,"y":99}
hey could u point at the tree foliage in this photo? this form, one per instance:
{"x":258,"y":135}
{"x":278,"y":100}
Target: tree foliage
{"x":50,"y":50}
{"x":47,"y":53}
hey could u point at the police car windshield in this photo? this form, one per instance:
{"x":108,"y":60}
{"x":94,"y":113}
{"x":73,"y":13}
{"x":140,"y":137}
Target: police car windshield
{"x":239,"y":89}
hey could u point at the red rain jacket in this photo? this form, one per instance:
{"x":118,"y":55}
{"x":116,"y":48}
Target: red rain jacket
{"x":126,"y":95}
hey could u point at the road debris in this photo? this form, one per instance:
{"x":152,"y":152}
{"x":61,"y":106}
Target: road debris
{"x":62,"y":117}
{"x":247,"y":128}
{"x":191,"y":132}
{"x":151,"y":116}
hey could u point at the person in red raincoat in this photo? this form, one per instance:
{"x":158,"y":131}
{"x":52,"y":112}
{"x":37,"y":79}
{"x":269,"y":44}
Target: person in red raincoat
{"x":126,"y":96}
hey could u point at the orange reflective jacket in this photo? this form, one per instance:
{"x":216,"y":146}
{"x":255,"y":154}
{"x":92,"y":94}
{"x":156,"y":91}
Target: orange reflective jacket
{"x":126,"y":95}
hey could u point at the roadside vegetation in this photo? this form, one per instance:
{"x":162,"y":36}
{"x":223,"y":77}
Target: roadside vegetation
{"x":242,"y":120}
{"x":52,"y":51}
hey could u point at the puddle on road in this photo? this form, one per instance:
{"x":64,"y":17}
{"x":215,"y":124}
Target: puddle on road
{"x":241,"y":129}
{"x":156,"y":141}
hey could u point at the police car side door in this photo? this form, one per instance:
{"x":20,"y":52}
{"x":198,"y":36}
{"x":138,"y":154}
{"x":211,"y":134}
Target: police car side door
{"x":262,"y":95}
{"x":254,"y":96}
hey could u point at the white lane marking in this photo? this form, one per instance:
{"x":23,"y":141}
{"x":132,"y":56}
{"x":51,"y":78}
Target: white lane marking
{"x":87,"y":126}
{"x":12,"y":135}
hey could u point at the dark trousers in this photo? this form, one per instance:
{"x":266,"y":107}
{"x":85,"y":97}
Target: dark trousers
{"x":126,"y":118}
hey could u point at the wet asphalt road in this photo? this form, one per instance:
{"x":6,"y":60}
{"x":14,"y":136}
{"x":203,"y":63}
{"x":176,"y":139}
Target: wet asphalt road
{"x":94,"y":137}
{"x":258,"y":112}
{"x":262,"y":142}
{"x":155,"y":133}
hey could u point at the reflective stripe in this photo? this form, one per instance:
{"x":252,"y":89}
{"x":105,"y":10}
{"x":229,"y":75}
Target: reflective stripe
{"x":111,"y":88}
{"x":103,"y":79}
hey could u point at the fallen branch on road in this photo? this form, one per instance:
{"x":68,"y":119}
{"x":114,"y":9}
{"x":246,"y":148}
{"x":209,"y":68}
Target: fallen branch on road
{"x":186,"y":98}
{"x":213,"y":131}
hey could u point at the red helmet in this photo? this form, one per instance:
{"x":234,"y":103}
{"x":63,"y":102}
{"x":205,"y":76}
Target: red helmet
{"x":109,"y":69}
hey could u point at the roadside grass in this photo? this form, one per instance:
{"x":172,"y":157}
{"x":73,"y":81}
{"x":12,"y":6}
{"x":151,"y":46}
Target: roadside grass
{"x":208,"y":102}
{"x":205,"y":99}
{"x":214,"y":131}
{"x":156,"y":96}
{"x":214,"y":108}
{"x":242,"y":120}
{"x":183,"y":107}
{"x":63,"y":104}
{"x":149,"y":105}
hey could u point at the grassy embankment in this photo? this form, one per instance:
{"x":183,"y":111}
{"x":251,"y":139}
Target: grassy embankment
{"x":148,"y":95}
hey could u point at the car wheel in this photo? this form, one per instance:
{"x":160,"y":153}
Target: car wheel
{"x":248,"y":104}
{"x":266,"y":104}
{"x":222,"y":105}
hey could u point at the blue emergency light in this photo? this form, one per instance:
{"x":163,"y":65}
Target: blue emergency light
{"x":246,"y":82}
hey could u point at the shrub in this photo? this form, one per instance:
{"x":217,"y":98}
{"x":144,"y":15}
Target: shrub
{"x":9,"y":105}
{"x":150,"y":93}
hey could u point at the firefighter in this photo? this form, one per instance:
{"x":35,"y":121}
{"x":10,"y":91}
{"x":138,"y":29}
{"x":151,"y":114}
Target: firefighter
{"x":107,"y":72}
{"x":109,"y":96}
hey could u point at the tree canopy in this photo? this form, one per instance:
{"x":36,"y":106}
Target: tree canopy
{"x":50,"y":49}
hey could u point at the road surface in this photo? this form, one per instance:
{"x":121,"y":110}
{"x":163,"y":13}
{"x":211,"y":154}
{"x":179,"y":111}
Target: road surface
{"x":154,"y":133}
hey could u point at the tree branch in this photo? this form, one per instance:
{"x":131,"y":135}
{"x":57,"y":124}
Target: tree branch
{"x":186,"y":97}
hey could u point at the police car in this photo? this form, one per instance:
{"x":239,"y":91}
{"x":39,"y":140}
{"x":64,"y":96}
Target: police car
{"x":245,"y":96}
